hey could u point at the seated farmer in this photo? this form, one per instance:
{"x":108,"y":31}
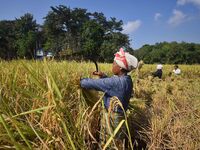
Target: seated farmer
{"x":121,"y":86}
{"x":176,"y":70}
{"x":158,"y":72}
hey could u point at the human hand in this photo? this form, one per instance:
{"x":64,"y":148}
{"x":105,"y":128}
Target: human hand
{"x":99,"y":73}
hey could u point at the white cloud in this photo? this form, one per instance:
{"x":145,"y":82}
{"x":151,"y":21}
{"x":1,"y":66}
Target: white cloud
{"x":157,"y":16}
{"x":177,"y":18}
{"x":183,"y":2}
{"x":131,"y":26}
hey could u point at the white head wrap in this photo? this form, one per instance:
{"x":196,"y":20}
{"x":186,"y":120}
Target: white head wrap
{"x":126,"y":60}
{"x":159,"y":66}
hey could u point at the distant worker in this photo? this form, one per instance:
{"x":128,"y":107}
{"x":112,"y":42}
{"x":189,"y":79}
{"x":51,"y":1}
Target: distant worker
{"x":176,"y":70}
{"x":158,"y":72}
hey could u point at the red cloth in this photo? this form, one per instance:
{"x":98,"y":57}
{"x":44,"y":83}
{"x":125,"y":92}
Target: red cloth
{"x":121,"y":57}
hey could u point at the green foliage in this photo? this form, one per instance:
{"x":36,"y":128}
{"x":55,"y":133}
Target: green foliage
{"x":26,"y":45}
{"x":77,"y":32}
{"x":92,"y":38}
{"x":112,"y":44}
{"x":65,"y":31}
{"x":85,"y":33}
{"x":26,"y":36}
{"x":7,"y":39}
{"x":172,"y":53}
{"x":63,"y":27}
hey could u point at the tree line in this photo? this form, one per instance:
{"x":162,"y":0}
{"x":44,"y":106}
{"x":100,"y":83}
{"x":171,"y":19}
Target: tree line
{"x":65,"y":32}
{"x":76,"y":32}
{"x":170,"y":53}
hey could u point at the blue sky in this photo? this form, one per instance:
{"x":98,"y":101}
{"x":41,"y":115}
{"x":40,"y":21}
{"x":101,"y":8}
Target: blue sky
{"x":145,"y":21}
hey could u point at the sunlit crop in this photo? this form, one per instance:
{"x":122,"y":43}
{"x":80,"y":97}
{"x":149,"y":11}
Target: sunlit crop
{"x":42,"y":106}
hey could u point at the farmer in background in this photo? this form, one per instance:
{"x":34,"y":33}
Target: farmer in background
{"x":120,"y":87}
{"x":158,"y":72}
{"x":176,"y":70}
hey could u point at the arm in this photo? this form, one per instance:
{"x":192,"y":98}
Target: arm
{"x":154,"y":73}
{"x":103,"y":84}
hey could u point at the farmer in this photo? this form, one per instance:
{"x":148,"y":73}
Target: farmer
{"x":158,"y":72}
{"x":120,"y":87}
{"x":176,"y":70}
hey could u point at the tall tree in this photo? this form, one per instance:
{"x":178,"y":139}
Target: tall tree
{"x":7,"y":39}
{"x":92,"y":39}
{"x":71,"y":29}
{"x":63,"y":27}
{"x":111,"y":44}
{"x":26,"y":36}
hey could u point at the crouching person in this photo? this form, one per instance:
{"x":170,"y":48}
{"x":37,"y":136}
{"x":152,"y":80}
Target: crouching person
{"x":118,"y":90}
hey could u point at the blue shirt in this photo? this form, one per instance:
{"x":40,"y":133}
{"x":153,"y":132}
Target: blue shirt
{"x":158,"y":73}
{"x":119,"y":86}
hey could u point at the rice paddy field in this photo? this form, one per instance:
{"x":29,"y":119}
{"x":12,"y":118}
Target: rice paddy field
{"x":43,"y":107}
